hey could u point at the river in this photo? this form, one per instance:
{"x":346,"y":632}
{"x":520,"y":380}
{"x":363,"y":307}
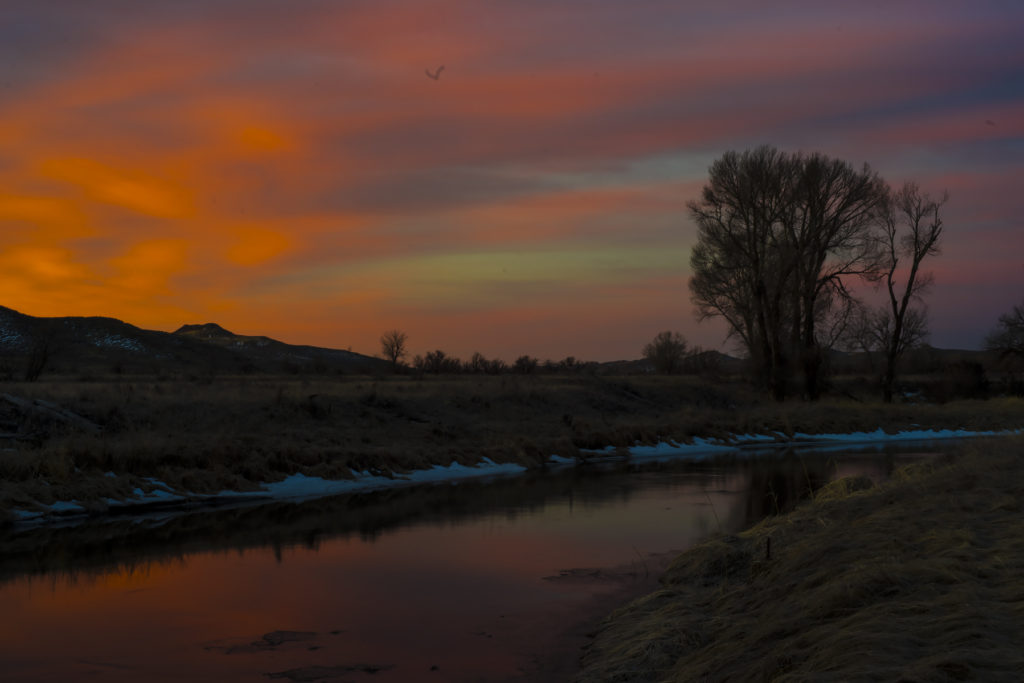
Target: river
{"x":480,"y":581}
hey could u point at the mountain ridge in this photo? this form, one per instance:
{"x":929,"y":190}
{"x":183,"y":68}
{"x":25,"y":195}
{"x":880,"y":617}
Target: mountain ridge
{"x":207,"y":329}
{"x":99,"y":344}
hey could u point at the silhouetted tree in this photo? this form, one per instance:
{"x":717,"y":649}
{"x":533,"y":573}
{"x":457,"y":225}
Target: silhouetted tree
{"x":734,"y":273}
{"x":1008,"y":336}
{"x":437,"y":362}
{"x":778,"y":234}
{"x":525,"y":365}
{"x":911,"y":231}
{"x":477,"y":364}
{"x":392,"y":346}
{"x":667,"y":352}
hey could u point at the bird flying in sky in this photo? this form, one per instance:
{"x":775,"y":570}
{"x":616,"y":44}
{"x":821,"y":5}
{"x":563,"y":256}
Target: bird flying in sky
{"x":437,"y":74}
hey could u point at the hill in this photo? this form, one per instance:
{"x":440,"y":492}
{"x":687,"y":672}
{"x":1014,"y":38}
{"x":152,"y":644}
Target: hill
{"x":269,"y":353}
{"x":100,"y":345}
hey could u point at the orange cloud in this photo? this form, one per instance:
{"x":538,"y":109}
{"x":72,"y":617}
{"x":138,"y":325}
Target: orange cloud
{"x":134,"y":190}
{"x":256,"y":246}
{"x":42,"y":218}
{"x":262,"y":139}
{"x":45,"y":267}
{"x":145,"y":267}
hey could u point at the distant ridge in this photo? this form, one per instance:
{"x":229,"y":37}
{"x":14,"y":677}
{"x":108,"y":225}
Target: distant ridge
{"x":206,"y":330}
{"x":99,"y":345}
{"x":215,"y":334}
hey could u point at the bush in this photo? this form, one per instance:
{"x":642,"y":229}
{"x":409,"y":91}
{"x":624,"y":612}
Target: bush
{"x":667,"y":352}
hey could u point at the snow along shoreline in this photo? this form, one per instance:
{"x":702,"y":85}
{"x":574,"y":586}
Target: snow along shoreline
{"x":299,"y":487}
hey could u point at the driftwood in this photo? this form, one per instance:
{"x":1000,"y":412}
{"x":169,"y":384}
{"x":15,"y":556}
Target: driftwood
{"x":53,"y":411}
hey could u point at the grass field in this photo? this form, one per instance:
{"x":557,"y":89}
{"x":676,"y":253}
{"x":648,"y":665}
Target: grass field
{"x":919,"y":579}
{"x":206,"y":435}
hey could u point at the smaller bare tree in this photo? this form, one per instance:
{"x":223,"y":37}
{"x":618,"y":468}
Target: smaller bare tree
{"x":667,"y":352}
{"x":912,"y":229}
{"x":392,"y":346}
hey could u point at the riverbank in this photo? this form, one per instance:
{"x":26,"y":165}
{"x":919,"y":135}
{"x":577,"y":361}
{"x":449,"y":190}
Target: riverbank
{"x":918,"y":579}
{"x":161,"y":502}
{"x":83,"y":447}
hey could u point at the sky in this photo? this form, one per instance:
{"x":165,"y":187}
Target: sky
{"x":288,"y":167}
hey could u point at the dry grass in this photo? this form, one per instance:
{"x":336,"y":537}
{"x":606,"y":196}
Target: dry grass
{"x":920,"y":579}
{"x":234,"y":432}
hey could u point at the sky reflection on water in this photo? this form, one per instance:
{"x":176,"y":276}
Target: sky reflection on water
{"x":445,"y":583}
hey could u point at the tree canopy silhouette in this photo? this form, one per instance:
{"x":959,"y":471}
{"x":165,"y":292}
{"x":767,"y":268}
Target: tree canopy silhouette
{"x":779,"y":234}
{"x":667,"y":352}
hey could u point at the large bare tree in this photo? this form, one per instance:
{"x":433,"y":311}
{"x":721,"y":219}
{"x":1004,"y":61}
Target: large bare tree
{"x":778,"y":235}
{"x":740,"y":269}
{"x":832,"y":237}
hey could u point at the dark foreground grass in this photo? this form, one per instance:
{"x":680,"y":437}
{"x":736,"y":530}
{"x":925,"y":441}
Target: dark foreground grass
{"x":208,"y":435}
{"x":919,"y":579}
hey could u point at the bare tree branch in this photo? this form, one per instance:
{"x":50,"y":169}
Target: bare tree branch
{"x":392,"y":346}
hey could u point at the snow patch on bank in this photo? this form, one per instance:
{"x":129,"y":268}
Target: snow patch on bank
{"x":301,"y":487}
{"x":293,"y":488}
{"x":61,"y":507}
{"x":701,"y":448}
{"x":909,"y":435}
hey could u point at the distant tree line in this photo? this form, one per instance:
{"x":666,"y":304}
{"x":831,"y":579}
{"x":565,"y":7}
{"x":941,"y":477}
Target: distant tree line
{"x":668,"y":353}
{"x":437,"y":362}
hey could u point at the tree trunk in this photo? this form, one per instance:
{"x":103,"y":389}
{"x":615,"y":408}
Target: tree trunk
{"x":779,"y":378}
{"x":889,"y":378}
{"x":812,"y":376}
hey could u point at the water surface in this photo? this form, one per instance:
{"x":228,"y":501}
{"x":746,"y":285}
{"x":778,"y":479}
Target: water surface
{"x":485,"y":581}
